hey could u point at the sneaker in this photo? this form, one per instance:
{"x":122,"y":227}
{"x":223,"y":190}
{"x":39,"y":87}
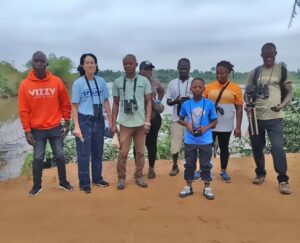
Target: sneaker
{"x":258,"y":180}
{"x":102,"y":183}
{"x":121,"y":184}
{"x":151,"y":173}
{"x":197,"y":175}
{"x":208,"y":193}
{"x":225,"y":177}
{"x":140,"y":182}
{"x":36,"y":189}
{"x":285,"y":188}
{"x":86,"y":189}
{"x":66,"y":186}
{"x":187,"y":191}
{"x":174,"y":171}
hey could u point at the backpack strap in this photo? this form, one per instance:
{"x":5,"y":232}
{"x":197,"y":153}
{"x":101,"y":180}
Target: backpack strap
{"x":281,"y":83}
{"x":257,"y":72}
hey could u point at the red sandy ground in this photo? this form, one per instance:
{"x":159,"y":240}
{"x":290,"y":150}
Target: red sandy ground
{"x":242,"y":212}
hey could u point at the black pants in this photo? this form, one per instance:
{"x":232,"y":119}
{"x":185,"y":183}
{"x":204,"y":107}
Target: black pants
{"x":55,"y":139}
{"x":151,"y":139}
{"x":223,"y":141}
{"x":274,"y":129}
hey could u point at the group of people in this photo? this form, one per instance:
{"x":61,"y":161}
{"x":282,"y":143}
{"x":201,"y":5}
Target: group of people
{"x":201,"y":115}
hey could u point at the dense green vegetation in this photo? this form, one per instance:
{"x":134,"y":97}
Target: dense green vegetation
{"x":64,"y":68}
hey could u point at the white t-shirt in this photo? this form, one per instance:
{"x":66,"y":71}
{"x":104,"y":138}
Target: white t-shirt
{"x":176,"y":88}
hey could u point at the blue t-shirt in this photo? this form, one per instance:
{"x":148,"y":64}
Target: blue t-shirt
{"x":81,"y":94}
{"x":203,"y":112}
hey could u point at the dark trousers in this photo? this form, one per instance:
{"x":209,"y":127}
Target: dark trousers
{"x":92,"y":130}
{"x":274,"y":129}
{"x":204,"y":153}
{"x":151,"y":140}
{"x":55,"y":139}
{"x":223,"y":141}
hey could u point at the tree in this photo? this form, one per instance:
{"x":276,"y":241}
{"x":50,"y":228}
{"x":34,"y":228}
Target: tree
{"x":294,"y":13}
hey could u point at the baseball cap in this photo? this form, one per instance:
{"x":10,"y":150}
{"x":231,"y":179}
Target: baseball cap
{"x":146,"y":64}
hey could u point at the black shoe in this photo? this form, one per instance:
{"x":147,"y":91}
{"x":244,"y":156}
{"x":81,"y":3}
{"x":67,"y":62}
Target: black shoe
{"x":66,"y":186}
{"x":86,"y":189}
{"x":102,"y":183}
{"x":174,"y":171}
{"x":36,"y":189}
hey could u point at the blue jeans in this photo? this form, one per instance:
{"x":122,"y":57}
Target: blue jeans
{"x":55,"y":139}
{"x":92,"y":130}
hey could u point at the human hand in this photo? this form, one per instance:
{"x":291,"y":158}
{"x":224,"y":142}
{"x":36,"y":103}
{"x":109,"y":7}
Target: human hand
{"x":277,"y":108}
{"x":237,"y":132}
{"x":65,"y":129}
{"x":147,"y":126}
{"x":29,"y":138}
{"x":77,"y":133}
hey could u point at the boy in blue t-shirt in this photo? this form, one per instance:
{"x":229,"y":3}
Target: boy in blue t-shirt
{"x":199,"y":117}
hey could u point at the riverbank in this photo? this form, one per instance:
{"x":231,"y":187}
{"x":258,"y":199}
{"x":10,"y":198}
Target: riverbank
{"x":242,"y":212}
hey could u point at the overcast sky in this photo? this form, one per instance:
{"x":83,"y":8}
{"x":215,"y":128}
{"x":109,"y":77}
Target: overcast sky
{"x":161,"y":31}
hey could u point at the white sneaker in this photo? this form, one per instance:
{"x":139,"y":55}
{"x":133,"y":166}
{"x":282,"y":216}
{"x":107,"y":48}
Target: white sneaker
{"x":187,"y":191}
{"x":208,"y":193}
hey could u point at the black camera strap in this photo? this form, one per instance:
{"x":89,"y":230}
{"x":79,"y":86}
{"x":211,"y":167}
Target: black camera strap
{"x":186,"y":87}
{"x":134,"y":87}
{"x":220,"y":95}
{"x":88,"y":84}
{"x":191,"y":112}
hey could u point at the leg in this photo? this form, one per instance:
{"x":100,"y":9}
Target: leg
{"x":177,"y":133}
{"x":97,"y":142}
{"x":126,"y":134}
{"x":40,"y":137}
{"x":56,"y":143}
{"x":275,"y":132}
{"x":151,"y":140}
{"x":139,"y":144}
{"x":258,"y":143}
{"x":223,"y":138}
{"x":84,"y":151}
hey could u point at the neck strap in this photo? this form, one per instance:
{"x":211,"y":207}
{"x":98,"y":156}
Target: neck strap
{"x":88,"y":84}
{"x":134,"y":87}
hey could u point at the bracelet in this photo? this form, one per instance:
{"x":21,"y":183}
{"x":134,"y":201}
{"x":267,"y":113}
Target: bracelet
{"x":147,"y":123}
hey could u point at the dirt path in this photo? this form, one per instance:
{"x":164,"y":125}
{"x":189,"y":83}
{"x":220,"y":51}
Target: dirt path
{"x":242,"y":212}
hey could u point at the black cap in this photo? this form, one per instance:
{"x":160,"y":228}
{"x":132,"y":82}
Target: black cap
{"x":146,"y":64}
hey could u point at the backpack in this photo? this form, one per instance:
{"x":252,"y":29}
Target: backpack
{"x":281,"y":83}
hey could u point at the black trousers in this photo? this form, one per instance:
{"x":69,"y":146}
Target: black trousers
{"x":151,"y":139}
{"x":223,"y":141}
{"x":274,"y":129}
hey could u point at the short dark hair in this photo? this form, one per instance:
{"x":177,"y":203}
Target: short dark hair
{"x":227,"y":65}
{"x":269,"y":46}
{"x":200,"y":79}
{"x":185,"y":60}
{"x":82,"y":58}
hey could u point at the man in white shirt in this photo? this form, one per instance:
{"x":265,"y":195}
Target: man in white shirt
{"x":178,"y":91}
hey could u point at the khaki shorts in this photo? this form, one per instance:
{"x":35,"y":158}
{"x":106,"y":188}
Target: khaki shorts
{"x":177,"y":133}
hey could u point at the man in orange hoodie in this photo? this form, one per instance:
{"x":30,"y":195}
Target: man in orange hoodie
{"x":43,"y":103}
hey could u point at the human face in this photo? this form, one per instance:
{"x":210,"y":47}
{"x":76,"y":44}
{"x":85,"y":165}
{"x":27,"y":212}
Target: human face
{"x":222,"y":74}
{"x":129,"y":64}
{"x":89,"y":66}
{"x":183,"y":70}
{"x":147,"y":72}
{"x":197,"y":88}
{"x":268,"y":55}
{"x":39,"y":64}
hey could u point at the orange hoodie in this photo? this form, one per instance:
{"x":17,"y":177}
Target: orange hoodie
{"x":43,"y":103}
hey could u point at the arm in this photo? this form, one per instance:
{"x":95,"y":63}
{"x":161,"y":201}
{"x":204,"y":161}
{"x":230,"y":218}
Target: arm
{"x":65,"y":107}
{"x":171,"y":102}
{"x":77,"y":131}
{"x":108,"y":112}
{"x":287,"y":99}
{"x":239,"y":116}
{"x":148,"y":112}
{"x":189,"y":125}
{"x":161,"y":92}
{"x":211,"y":125}
{"x":115,"y":111}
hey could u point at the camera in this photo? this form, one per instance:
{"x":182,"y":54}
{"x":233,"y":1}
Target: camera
{"x":196,"y":132}
{"x":220,"y":110}
{"x":97,"y":110}
{"x":181,"y":100}
{"x":130,"y":106}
